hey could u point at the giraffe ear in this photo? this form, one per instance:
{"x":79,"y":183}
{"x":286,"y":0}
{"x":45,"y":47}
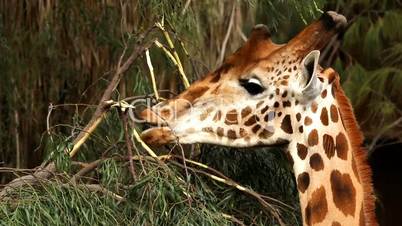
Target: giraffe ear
{"x":308,"y":80}
{"x":259,"y":32}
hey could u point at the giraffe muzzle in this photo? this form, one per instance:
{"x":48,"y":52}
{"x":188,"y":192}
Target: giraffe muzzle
{"x":158,"y":136}
{"x":158,"y":133}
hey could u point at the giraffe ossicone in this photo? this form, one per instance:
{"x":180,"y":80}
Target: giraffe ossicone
{"x":270,"y":94}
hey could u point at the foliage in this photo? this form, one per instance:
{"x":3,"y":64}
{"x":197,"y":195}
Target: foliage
{"x":63,"y":52}
{"x":156,"y":199}
{"x":162,"y":193}
{"x":371,"y":66}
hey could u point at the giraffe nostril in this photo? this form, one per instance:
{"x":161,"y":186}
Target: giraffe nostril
{"x":146,"y":126}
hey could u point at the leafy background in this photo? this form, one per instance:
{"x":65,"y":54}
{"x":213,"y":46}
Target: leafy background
{"x":62,"y":53}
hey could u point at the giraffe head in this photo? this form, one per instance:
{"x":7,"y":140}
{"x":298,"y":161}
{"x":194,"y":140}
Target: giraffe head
{"x":251,"y":99}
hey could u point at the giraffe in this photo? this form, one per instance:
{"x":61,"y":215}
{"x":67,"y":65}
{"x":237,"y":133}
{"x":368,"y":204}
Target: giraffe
{"x":278,"y":95}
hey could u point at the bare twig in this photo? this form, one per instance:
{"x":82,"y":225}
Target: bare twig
{"x":233,"y":219}
{"x":123,"y":117}
{"x":227,"y":35}
{"x":49,"y":113}
{"x":86,"y":169}
{"x":176,"y":58}
{"x":143,"y":144}
{"x":152,"y":74}
{"x":185,"y":7}
{"x":135,"y":147}
{"x":183,"y":157}
{"x":98,"y":188}
{"x":12,"y":170}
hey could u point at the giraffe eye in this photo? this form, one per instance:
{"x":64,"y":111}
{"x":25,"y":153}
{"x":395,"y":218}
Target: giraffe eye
{"x":252,"y":85}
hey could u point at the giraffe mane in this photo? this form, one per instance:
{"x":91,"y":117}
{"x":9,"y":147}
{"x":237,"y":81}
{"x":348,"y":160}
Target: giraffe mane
{"x":359,"y":153}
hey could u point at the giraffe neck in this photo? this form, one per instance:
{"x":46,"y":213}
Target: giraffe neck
{"x":329,"y":186}
{"x":332,"y":175}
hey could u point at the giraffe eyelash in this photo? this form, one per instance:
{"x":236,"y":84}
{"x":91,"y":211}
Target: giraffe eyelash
{"x":252,"y":85}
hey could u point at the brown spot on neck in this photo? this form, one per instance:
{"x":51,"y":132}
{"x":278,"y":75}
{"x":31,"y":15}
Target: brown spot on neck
{"x":342,"y":146}
{"x":324,"y":116}
{"x":328,"y":145}
{"x":343,"y":192}
{"x":307,"y":121}
{"x":303,"y":181}
{"x":301,"y":151}
{"x":314,"y":107}
{"x":312,"y":139}
{"x":334,"y":113}
{"x":316,"y":162}
{"x":286,"y":124}
{"x":317,"y":207}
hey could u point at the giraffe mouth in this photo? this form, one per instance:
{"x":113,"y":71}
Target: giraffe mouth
{"x":280,"y":143}
{"x":158,"y":136}
{"x":157,"y":132}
